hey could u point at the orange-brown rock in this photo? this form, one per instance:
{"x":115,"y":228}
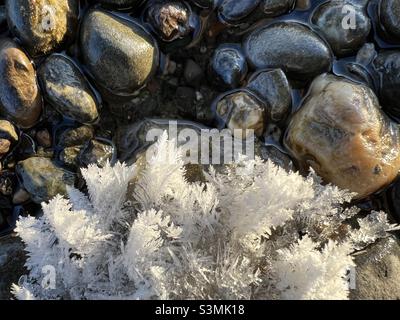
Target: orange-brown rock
{"x":20,"y":98}
{"x":341,"y":132}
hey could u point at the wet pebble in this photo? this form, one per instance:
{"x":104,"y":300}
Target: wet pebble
{"x":290,"y":46}
{"x":75,"y":136}
{"x":341,"y":132}
{"x":169,"y":20}
{"x":96,"y":152}
{"x":20,"y":98}
{"x":66,"y":88}
{"x":43,"y":25}
{"x":43,"y":179}
{"x":273,"y":87}
{"x":119,"y":54}
{"x":387,"y":65}
{"x":390,"y":19}
{"x":21,"y":196}
{"x":43,"y":138}
{"x":344,"y":35}
{"x":241,"y":110}
{"x":228,"y":66}
{"x":122,"y":4}
{"x":274,"y":8}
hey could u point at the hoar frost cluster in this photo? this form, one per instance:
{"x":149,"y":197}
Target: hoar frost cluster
{"x":252,"y":232}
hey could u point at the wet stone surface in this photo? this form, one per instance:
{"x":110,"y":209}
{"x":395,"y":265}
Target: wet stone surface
{"x":84,"y":81}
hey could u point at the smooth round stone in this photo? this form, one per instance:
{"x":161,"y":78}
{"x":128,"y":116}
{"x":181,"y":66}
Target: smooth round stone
{"x":96,"y":152}
{"x":122,"y":4}
{"x":43,"y":25}
{"x":8,"y":131}
{"x":273,"y":87}
{"x":341,"y":132}
{"x":329,"y":18}
{"x":76,"y":136}
{"x":274,"y":8}
{"x":289,"y":46}
{"x":388,"y":65}
{"x":43,"y":179}
{"x":8,"y":136}
{"x":66,"y":88}
{"x":119,"y":54}
{"x":69,"y":156}
{"x":390,"y":18}
{"x":20,"y":98}
{"x":233,"y":11}
{"x":228,"y":66}
{"x":241,"y":110}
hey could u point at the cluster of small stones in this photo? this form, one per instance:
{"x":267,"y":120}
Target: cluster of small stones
{"x":84,"y":81}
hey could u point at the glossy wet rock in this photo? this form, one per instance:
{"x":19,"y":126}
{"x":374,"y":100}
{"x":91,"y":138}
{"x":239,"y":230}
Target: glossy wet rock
{"x":228,"y":66}
{"x":292,"y":47}
{"x":344,"y":39}
{"x":378,"y":271}
{"x":390,"y":18}
{"x":69,"y":156}
{"x":170,"y":20}
{"x":122,"y":4}
{"x":341,"y":132}
{"x":66,"y":88}
{"x":233,"y":11}
{"x":274,"y":8}
{"x":8,"y":136}
{"x":75,"y":136}
{"x":273,"y":87}
{"x":96,"y":152}
{"x":20,"y":98}
{"x":243,"y":111}
{"x":43,"y":25}
{"x":43,"y":179}
{"x":388,"y":66}
{"x":118,"y":53}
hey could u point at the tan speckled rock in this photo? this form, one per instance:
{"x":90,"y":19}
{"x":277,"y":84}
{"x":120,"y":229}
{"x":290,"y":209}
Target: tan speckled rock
{"x":119,"y":54}
{"x":341,"y":132}
{"x":241,"y":110}
{"x":20,"y":98}
{"x":42,"y":25}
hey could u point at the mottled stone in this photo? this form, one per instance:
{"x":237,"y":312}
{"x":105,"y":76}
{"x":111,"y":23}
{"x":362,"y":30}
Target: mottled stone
{"x":121,"y":4}
{"x":330,"y":18}
{"x":242,"y":110}
{"x":390,"y":18}
{"x":43,"y":179}
{"x":289,"y":46}
{"x":66,"y":88}
{"x":69,"y":156}
{"x":273,"y":87}
{"x":119,"y":54}
{"x":43,"y":25}
{"x":96,"y":152}
{"x":76,"y":136}
{"x":20,"y":98}
{"x":388,"y":66}
{"x":341,"y":132}
{"x":377,"y":273}
{"x":12,"y":260}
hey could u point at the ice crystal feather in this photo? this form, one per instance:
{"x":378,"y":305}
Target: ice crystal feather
{"x":237,"y":236}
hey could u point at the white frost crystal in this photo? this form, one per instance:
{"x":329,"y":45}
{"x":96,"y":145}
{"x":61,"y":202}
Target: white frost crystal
{"x":253,"y":232}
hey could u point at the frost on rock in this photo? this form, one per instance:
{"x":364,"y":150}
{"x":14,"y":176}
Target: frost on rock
{"x":253,"y":232}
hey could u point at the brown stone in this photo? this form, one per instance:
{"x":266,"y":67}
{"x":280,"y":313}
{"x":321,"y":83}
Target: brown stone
{"x":20,"y":98}
{"x":43,"y":25}
{"x":341,"y":132}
